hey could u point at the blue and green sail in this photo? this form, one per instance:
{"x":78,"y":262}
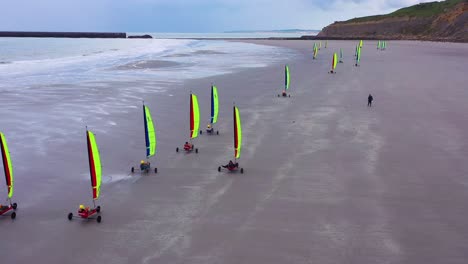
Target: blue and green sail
{"x":358,"y":55}
{"x":287,"y":77}
{"x":150,"y":133}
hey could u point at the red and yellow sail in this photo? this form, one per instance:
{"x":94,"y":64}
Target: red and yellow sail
{"x":7,"y":165}
{"x":334,"y":61}
{"x":94,"y":164}
{"x":237,"y":133}
{"x":194,"y":116}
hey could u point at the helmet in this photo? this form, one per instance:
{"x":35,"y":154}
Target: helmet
{"x":82,"y":207}
{"x":142,"y":162}
{"x":208,"y":126}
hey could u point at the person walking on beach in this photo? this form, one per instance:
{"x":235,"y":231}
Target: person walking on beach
{"x":369,"y":100}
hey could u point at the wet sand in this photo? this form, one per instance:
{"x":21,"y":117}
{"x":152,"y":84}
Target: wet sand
{"x":327,"y":179}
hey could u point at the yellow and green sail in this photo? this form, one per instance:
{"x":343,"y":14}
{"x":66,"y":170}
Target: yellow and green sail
{"x":287,"y":77}
{"x":360,"y":44}
{"x":194,"y":116}
{"x":7,"y":165}
{"x":214,"y":105}
{"x":95,"y":168}
{"x":358,"y":55}
{"x":237,"y":133}
{"x":150,"y":133}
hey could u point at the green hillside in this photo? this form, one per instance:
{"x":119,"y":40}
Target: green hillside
{"x":419,"y":10}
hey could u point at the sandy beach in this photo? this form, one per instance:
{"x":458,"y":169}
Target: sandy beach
{"x":327,"y":179}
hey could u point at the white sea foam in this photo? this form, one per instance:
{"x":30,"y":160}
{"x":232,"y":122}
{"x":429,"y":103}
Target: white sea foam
{"x":64,"y":84}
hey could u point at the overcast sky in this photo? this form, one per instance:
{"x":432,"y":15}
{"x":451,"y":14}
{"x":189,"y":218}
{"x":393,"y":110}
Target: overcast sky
{"x":185,"y":15}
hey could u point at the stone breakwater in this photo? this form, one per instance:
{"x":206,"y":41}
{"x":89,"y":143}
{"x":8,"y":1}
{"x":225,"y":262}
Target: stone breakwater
{"x":32,"y":34}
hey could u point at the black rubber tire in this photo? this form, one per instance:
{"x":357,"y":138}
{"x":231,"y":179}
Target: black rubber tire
{"x":217,"y":132}
{"x":177,"y":149}
{"x":242,"y":170}
{"x":289,"y":95}
{"x":98,"y":209}
{"x":13,"y":215}
{"x":219,"y":169}
{"x":278,"y":95}
{"x":155,"y":170}
{"x":14,"y":205}
{"x":70,"y":216}
{"x":132,"y":170}
{"x":196,"y":150}
{"x":99,"y":219}
{"x":201,"y":132}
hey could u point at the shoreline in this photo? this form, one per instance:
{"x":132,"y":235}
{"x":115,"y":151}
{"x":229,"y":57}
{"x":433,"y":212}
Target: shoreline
{"x":120,"y":35}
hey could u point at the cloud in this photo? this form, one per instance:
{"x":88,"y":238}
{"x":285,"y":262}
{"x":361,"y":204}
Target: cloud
{"x":185,"y":15}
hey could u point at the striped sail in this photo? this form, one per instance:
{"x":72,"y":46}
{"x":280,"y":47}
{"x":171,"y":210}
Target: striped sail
{"x":214,"y":105}
{"x":194,"y":116}
{"x":334,"y":60}
{"x":237,"y":133}
{"x":150,"y":133}
{"x":358,"y":56}
{"x":94,"y":164}
{"x":7,"y":165}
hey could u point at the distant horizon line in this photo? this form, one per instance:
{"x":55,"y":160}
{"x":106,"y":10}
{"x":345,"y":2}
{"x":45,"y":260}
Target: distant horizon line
{"x":180,"y":32}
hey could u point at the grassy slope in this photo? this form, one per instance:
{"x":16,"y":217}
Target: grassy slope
{"x":419,"y":10}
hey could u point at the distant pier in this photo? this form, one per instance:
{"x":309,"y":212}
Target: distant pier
{"x":32,"y":34}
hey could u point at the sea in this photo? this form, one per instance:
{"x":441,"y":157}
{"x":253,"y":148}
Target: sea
{"x":50,"y":87}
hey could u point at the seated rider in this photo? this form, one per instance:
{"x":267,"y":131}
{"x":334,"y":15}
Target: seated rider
{"x":208,"y":128}
{"x":144,"y":165}
{"x":187,"y":145}
{"x":82,"y":208}
{"x":230,"y":165}
{"x":284,"y":92}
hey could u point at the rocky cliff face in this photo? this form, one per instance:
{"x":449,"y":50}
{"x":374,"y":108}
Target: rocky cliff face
{"x":448,"y":25}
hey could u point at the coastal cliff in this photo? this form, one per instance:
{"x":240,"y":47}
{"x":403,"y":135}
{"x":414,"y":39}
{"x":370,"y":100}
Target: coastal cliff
{"x":436,"y":21}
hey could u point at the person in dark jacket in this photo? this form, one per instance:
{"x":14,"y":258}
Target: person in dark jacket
{"x":369,"y":100}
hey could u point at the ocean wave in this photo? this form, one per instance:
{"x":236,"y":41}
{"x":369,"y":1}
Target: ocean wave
{"x":147,"y":64}
{"x":197,"y":52}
